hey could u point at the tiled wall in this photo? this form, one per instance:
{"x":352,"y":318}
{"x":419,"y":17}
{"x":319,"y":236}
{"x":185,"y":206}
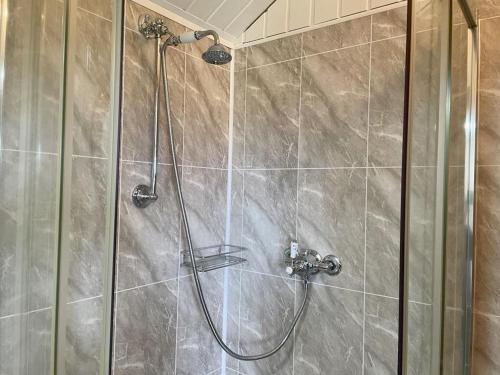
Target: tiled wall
{"x":317,"y":155}
{"x":159,"y":325}
{"x":487,"y":282}
{"x":29,"y":166}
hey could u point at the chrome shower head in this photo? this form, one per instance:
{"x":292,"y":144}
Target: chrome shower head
{"x":217,"y":55}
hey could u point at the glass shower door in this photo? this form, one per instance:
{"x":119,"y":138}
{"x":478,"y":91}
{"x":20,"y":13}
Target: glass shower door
{"x":31,"y":77}
{"x":439,"y":183}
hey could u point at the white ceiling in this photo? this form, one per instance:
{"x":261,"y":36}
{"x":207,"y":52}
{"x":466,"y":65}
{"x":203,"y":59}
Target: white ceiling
{"x":230,"y":18}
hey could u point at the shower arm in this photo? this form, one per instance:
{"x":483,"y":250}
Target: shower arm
{"x":190,"y":37}
{"x":187,"y":231}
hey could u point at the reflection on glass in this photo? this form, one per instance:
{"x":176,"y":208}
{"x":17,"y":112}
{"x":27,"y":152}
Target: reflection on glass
{"x":31,"y":59}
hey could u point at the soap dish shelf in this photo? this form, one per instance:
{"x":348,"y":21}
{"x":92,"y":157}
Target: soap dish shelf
{"x":211,"y":258}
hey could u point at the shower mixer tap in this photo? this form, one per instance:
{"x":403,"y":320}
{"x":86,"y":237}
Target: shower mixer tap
{"x":306,"y":262}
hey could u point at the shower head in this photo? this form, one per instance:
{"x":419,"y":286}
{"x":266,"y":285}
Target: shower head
{"x":217,"y":55}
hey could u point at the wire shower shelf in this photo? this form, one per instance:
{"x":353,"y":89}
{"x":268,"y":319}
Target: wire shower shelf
{"x":211,"y":258}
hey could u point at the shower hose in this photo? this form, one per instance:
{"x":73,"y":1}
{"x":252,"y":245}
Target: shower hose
{"x":185,"y":221}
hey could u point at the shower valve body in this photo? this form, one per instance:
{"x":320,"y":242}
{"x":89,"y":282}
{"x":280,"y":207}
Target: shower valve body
{"x":306,"y":262}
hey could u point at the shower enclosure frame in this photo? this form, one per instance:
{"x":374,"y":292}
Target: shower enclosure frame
{"x":439,"y":260}
{"x":63,"y":257}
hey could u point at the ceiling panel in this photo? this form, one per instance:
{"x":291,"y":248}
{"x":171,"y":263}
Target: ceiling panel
{"x":230,"y":18}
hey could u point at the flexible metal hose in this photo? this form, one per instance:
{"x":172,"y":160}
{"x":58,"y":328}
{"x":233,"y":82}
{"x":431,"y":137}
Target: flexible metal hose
{"x":185,"y":221}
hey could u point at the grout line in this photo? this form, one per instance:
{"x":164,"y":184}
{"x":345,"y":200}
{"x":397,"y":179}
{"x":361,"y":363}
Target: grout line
{"x":366,"y":194}
{"x":93,"y":14}
{"x":150,"y":284}
{"x":302,"y":56}
{"x":77,"y":156}
{"x":180,"y":221}
{"x":84,"y":300}
{"x":229,"y":196}
{"x":26,"y":313}
{"x":29,"y":152}
{"x":128,"y":161}
{"x":486,"y":315}
{"x":488,"y":18}
{"x":332,"y":286}
{"x":297,"y":192}
{"x":321,"y":168}
{"x":243,"y":157}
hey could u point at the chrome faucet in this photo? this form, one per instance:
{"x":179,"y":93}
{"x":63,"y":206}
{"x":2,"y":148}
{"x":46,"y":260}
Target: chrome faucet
{"x":307,"y":262}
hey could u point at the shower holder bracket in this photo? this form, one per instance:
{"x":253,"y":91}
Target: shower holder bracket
{"x":306,"y":262}
{"x":211,"y":258}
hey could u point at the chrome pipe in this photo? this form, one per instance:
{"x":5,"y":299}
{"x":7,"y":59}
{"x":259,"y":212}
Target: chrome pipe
{"x":154,"y":168}
{"x":187,"y":230}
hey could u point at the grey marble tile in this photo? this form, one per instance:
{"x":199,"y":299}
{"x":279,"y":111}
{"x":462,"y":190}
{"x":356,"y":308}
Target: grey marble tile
{"x":331,"y":220}
{"x":197,"y":350}
{"x":88,"y":227}
{"x":233,"y":293}
{"x":206,"y":131}
{"x":237,"y":204}
{"x":419,"y":338}
{"x":46,"y":129}
{"x":341,"y":35}
{"x":274,"y":51}
{"x":84,"y":337}
{"x":146,"y":321}
{"x":334,"y":116}
{"x":103,"y":8}
{"x":489,"y":99}
{"x":138,"y":100}
{"x":26,"y":343}
{"x":426,"y":92}
{"x":383,"y":231}
{"x":239,"y":118}
{"x":269,"y":210}
{"x":272,"y":116}
{"x":205,"y":193}
{"x":330,"y":336}
{"x":267,"y":310}
{"x":389,"y":24}
{"x":486,"y":345}
{"x":149,"y":238}
{"x":92,"y":111}
{"x":138,"y":97}
{"x":28,"y":234}
{"x":487,"y":292}
{"x":386,"y":102}
{"x":421,"y":241}
{"x":31,"y":114}
{"x":175,"y":61}
{"x":240,"y":59}
{"x":381,"y":335}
